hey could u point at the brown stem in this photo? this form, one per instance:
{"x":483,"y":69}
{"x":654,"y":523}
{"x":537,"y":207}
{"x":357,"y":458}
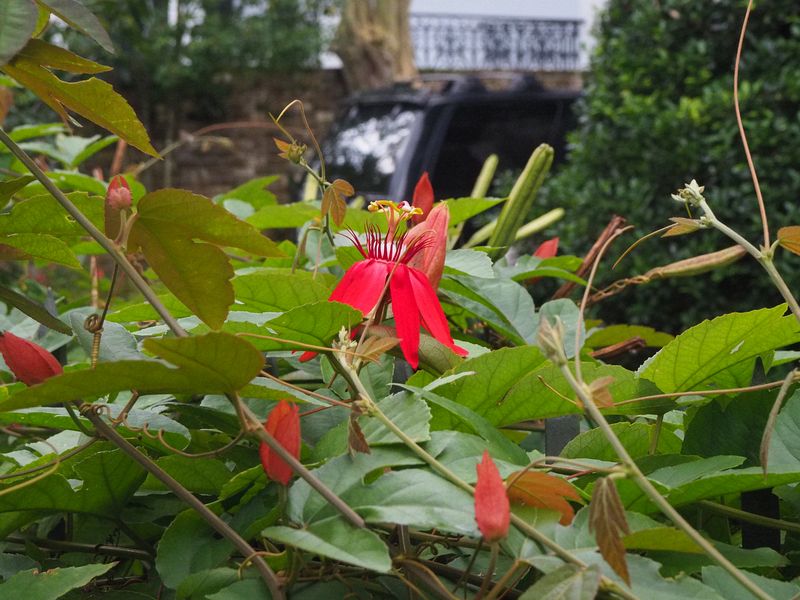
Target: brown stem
{"x":251,"y":425}
{"x":95,"y":233}
{"x":267,"y":574}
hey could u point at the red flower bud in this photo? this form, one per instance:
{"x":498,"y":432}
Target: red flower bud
{"x":29,"y":362}
{"x":283,"y":423}
{"x":492,"y":508}
{"x":423,"y":198}
{"x":118,"y":195}
{"x":547,"y":249}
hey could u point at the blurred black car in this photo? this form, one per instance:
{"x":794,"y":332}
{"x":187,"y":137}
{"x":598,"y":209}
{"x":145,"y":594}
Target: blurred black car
{"x":384,"y":140}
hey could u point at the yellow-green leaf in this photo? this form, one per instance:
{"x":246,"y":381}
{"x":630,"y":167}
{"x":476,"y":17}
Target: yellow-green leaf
{"x":91,"y":98}
{"x":21,"y":246}
{"x":55,"y":57}
{"x":212,"y":363}
{"x":81,"y":18}
{"x":168,"y":226}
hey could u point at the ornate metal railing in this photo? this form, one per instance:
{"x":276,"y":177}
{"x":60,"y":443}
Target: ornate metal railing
{"x":467,"y":43}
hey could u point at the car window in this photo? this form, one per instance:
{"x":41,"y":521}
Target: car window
{"x":510,"y":130}
{"x":365,"y":145}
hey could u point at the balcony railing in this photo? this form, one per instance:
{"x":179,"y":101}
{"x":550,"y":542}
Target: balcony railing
{"x":470,"y":43}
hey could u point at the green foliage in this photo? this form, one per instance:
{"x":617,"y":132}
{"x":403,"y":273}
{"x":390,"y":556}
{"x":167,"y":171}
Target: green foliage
{"x":658,"y":112}
{"x":155,"y":447}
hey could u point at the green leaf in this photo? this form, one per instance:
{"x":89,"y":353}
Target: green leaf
{"x":729,"y":427}
{"x":613,"y":334}
{"x":635,"y":437}
{"x":198,"y":585}
{"x":316,"y":324}
{"x":410,"y":414}
{"x":110,"y":478}
{"x":469,"y":262}
{"x":337,"y":540}
{"x":504,"y":447}
{"x":566,"y":583}
{"x":198,"y":475}
{"x":81,"y":18}
{"x":92,"y":149}
{"x":33,"y":310}
{"x":277,"y":291}
{"x":254,"y":193}
{"x":212,"y":363}
{"x":43,"y":214}
{"x":462,"y":209}
{"x":417,"y":498}
{"x":728,"y":587}
{"x":17,"y":23}
{"x":189,"y":546}
{"x":91,"y":98}
{"x":168,"y":224}
{"x":24,"y":246}
{"x":495,"y":375}
{"x":508,"y":300}
{"x":53,"y":583}
{"x":720,"y":352}
{"x":784,"y":447}
{"x":11,"y":186}
{"x":283,"y":216}
{"x":144,"y":311}
{"x":116,"y":342}
{"x":241,"y":590}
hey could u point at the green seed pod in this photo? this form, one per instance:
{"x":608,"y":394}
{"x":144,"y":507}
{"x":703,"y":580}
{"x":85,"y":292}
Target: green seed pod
{"x":485,"y":177}
{"x":519,"y":202}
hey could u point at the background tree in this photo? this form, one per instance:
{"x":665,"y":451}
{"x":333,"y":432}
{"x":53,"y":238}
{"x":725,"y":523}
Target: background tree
{"x":180,"y":57}
{"x":658,"y":112}
{"x":374,"y":43}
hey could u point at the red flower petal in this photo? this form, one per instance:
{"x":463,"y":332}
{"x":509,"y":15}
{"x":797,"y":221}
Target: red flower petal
{"x":283,"y":423}
{"x":29,"y":362}
{"x":423,"y":198}
{"x":406,"y":314}
{"x":362,"y":285}
{"x":492,"y":508}
{"x":433,"y":318}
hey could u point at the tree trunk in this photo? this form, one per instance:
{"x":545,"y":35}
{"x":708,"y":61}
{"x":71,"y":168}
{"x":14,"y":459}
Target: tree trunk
{"x":374,"y":43}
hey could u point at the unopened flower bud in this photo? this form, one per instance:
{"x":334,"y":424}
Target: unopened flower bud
{"x":118,"y":195}
{"x":551,"y":341}
{"x":29,"y":362}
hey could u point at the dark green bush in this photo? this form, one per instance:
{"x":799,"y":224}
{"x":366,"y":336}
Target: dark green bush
{"x":658,"y":112}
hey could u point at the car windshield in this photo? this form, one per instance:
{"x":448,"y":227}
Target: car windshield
{"x":364,"y":146}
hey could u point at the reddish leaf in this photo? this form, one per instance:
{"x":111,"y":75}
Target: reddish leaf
{"x":541,"y":490}
{"x":423,"y":198}
{"x":607,"y":521}
{"x":789,"y":238}
{"x":356,"y":442}
{"x":333,"y":200}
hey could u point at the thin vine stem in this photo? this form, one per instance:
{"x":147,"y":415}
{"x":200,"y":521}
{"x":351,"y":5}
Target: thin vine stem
{"x":374,"y":410}
{"x":751,"y":166}
{"x":649,"y":489}
{"x":252,"y":426}
{"x":267,"y":574}
{"x":95,"y":233}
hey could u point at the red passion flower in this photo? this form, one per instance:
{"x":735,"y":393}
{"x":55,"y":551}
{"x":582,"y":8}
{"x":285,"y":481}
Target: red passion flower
{"x":413,"y":299}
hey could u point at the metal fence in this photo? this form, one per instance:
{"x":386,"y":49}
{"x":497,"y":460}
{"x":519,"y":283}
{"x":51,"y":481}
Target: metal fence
{"x":467,"y":43}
